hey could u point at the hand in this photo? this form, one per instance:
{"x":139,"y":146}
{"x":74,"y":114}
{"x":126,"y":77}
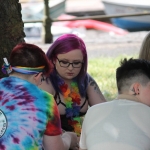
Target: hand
{"x":74,"y":141}
{"x":77,"y":144}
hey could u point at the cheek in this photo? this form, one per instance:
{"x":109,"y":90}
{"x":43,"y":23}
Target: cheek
{"x":59,"y":69}
{"x":78,"y":71}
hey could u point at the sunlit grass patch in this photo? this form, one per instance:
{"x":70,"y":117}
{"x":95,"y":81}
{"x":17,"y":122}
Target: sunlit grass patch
{"x":103,"y":70}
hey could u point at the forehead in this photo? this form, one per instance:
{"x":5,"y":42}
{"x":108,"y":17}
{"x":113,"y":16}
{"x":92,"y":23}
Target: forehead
{"x":72,"y":55}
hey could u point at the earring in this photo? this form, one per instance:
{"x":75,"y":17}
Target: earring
{"x":133,"y":91}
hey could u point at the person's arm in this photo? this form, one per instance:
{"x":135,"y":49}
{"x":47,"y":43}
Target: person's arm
{"x":74,"y":143}
{"x":94,"y":93}
{"x":61,"y":142}
{"x":53,"y":138}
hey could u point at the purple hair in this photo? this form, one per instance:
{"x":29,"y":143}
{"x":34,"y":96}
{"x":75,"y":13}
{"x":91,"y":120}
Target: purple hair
{"x":64,"y":44}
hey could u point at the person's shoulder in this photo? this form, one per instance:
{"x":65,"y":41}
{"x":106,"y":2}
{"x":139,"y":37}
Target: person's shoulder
{"x":99,"y":112}
{"x":131,"y":103}
{"x":46,"y":94}
{"x":101,"y":107}
{"x":141,"y":107}
{"x":90,"y":78}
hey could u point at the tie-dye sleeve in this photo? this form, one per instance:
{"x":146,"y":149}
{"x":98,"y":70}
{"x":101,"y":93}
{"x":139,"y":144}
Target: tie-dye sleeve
{"x":54,"y":125}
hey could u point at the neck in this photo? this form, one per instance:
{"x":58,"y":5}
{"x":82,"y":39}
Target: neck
{"x":128,"y":97}
{"x":14,"y":74}
{"x":22,"y":76}
{"x":68,"y":81}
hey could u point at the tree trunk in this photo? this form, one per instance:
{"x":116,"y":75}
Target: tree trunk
{"x":11,"y":28}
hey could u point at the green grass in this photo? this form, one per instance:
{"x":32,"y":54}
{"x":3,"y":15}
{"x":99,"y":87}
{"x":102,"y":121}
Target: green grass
{"x":103,"y":70}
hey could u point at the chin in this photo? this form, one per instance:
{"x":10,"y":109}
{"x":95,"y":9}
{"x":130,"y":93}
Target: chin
{"x":69,"y":77}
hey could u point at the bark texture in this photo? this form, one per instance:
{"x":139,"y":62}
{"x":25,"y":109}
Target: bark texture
{"x":11,"y":28}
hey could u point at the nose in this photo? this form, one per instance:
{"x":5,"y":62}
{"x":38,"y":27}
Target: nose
{"x":70,"y":67}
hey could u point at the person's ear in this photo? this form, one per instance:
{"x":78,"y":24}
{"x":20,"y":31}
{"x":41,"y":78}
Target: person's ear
{"x":37,"y":78}
{"x":136,"y":88}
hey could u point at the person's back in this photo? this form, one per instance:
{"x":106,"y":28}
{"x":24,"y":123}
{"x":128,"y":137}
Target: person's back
{"x":124,"y":125}
{"x":29,"y":117}
{"x":26,"y":108}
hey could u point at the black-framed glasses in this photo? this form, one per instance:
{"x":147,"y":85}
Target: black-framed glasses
{"x":65,"y":64}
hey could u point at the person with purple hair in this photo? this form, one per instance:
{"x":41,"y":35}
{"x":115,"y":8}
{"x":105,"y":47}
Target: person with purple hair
{"x":73,"y":88}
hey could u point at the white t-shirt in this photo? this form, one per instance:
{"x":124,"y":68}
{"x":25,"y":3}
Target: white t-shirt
{"x":116,"y":125}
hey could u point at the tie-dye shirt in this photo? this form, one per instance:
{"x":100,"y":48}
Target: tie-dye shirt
{"x":26,"y":114}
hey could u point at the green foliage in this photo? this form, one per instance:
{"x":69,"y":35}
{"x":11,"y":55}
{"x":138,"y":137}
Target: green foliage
{"x":103,"y":70}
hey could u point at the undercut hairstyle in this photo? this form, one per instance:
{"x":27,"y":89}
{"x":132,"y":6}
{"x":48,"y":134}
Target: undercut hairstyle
{"x":62,"y":45}
{"x":145,"y":48}
{"x":132,"y":71}
{"x":30,"y":55}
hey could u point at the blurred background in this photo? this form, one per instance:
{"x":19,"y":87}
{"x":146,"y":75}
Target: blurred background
{"x":111,"y":30}
{"x":33,"y":10}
